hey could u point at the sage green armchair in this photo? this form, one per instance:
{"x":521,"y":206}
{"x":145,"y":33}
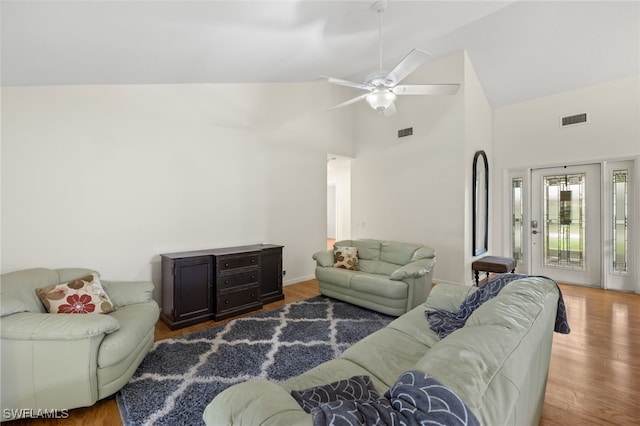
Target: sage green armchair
{"x":64,"y":361}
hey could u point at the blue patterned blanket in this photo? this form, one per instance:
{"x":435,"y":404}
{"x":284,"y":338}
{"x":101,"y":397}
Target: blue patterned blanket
{"x":415,"y":399}
{"x":445,"y":323}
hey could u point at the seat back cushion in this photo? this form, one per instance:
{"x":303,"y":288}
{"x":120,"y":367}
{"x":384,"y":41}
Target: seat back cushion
{"x":69,"y":274}
{"x":398,"y":253}
{"x":368,"y":249}
{"x":19,"y":289}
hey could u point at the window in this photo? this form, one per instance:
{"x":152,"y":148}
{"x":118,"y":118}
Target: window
{"x":517,"y":211}
{"x":620,"y":210}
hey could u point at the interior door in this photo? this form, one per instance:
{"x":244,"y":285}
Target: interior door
{"x":565,"y":224}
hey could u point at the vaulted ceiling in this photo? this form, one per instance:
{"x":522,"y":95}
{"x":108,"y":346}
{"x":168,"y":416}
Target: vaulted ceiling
{"x":520,"y":49}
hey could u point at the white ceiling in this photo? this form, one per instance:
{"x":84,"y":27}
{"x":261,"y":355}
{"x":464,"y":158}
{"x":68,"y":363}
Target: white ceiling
{"x":520,"y":50}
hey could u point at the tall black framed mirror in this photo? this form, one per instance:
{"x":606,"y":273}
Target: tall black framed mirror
{"x":480,"y":205}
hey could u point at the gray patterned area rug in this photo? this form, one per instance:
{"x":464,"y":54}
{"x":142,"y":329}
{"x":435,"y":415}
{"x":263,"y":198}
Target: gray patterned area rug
{"x":179,"y":377}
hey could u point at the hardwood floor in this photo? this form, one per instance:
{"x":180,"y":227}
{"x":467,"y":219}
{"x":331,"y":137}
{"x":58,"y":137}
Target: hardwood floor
{"x":594,"y":378}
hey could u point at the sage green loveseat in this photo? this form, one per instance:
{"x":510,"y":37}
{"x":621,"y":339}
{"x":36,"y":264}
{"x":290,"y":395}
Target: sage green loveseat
{"x":63,"y":361}
{"x":392,"y":277}
{"x":497,"y":363}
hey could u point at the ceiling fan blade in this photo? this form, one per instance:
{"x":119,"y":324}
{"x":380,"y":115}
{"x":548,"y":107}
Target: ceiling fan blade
{"x":347,"y":83}
{"x":390,"y":111}
{"x":409,"y":64}
{"x":350,"y":101}
{"x":426,"y":89}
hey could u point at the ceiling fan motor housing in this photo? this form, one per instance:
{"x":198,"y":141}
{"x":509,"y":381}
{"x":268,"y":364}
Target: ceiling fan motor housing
{"x":379,"y":78}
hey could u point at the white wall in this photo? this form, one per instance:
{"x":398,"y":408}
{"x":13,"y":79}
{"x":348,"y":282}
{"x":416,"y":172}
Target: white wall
{"x":109,"y":177}
{"x":418,"y":189}
{"x":528,"y":134}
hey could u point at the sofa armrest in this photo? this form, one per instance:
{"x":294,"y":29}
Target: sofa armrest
{"x":448,"y":297}
{"x":38,"y":326}
{"x":424,"y":252}
{"x":257,"y":402}
{"x":324,"y":258}
{"x":123,"y":293}
{"x":414,"y":269}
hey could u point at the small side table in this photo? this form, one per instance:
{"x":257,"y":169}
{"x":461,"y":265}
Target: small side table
{"x":493,"y":264}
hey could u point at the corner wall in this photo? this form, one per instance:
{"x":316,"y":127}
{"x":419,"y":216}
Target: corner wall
{"x":418,"y":189}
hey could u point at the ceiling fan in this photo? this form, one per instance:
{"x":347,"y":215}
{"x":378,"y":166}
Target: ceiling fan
{"x":382,"y":86}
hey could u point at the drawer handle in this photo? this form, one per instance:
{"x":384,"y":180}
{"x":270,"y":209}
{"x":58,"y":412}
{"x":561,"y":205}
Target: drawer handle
{"x":226,"y":282}
{"x":226,"y":302}
{"x":253,"y":277}
{"x":253,"y":261}
{"x":226,"y":265}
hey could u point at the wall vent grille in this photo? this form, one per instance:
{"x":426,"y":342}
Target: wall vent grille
{"x":572,"y":120}
{"x":405,"y":132}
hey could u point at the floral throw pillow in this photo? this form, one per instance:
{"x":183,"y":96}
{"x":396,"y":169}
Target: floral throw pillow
{"x":84,"y":295}
{"x":346,"y":258}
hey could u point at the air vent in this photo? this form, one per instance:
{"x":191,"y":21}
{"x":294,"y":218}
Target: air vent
{"x":405,"y":132}
{"x":572,"y":120}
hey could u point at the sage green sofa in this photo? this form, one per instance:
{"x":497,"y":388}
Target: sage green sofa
{"x":497,"y":363}
{"x":392,"y":277}
{"x":64,"y":361}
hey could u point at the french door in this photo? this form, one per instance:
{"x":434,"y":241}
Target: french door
{"x":565,"y":229}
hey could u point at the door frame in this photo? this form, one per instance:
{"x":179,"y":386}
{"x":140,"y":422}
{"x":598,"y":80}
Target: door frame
{"x":629,"y":281}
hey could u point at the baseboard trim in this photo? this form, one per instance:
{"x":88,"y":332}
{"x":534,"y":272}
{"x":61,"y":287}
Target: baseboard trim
{"x":298,"y":280}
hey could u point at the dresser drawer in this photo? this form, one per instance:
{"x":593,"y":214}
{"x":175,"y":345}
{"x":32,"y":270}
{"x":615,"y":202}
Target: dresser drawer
{"x":239,"y":299}
{"x":227,"y":282}
{"x":227,"y":263}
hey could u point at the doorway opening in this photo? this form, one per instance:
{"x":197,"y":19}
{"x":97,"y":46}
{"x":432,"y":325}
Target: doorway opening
{"x":338,"y":199}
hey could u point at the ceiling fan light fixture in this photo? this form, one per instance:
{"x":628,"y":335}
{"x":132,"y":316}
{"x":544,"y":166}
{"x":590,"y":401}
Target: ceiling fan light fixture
{"x":380,"y":99}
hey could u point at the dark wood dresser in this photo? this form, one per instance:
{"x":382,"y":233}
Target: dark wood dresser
{"x":219,"y":283}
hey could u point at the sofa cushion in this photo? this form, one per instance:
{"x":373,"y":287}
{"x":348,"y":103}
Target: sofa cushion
{"x":83,"y":295}
{"x":414,"y":324}
{"x":346,"y":258}
{"x":379,"y":285}
{"x":368,"y":249}
{"x":21,"y":285}
{"x":377,"y":267}
{"x":337,"y":276}
{"x":124,"y":293}
{"x":10,"y":305}
{"x":379,"y":354}
{"x":135,"y":322}
{"x":398,"y":253}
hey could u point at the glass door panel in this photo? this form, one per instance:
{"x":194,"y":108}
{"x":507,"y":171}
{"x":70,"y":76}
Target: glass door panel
{"x":564,"y":208}
{"x":517,"y":215}
{"x":566,"y":227}
{"x":620,"y":218}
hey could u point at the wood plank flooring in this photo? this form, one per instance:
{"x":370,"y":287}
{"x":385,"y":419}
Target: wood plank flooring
{"x":594,"y":378}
